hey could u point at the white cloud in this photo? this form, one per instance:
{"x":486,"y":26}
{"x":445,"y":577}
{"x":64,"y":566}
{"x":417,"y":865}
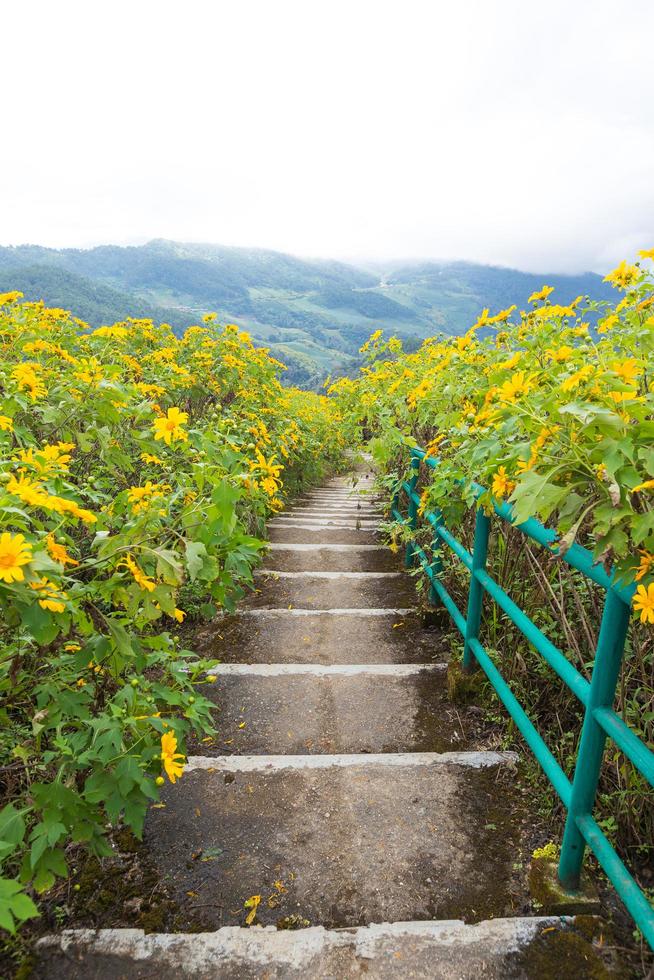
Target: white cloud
{"x":511,"y":132}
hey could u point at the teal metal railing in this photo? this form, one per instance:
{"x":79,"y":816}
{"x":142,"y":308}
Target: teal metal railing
{"x":597,"y":695}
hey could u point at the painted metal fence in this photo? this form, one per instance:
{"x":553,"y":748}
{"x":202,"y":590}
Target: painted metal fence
{"x":597,"y":695}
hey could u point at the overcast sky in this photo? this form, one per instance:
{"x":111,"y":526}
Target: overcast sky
{"x":518,"y":132}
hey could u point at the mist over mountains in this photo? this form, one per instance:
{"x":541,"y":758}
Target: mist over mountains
{"x":314,"y":314}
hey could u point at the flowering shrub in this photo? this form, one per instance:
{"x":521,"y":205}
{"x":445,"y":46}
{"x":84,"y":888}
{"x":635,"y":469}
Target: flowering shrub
{"x":137,"y":471}
{"x":553,"y":410}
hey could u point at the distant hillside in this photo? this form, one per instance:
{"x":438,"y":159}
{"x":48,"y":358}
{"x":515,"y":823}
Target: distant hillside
{"x":90,"y":301}
{"x":314,"y":314}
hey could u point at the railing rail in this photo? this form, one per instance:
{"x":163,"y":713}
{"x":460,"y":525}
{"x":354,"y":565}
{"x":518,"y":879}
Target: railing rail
{"x":597,"y":695}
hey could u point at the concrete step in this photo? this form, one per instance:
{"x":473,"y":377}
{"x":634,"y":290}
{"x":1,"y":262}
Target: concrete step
{"x":285,"y":636}
{"x":317,"y":523}
{"x":331,"y":590}
{"x":349,"y":504}
{"x":500,"y":949}
{"x":315,"y":534}
{"x":352,"y":839}
{"x":332,"y":559}
{"x":309,"y":708}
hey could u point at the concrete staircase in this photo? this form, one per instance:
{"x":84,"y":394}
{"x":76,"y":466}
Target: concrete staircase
{"x":340,"y":790}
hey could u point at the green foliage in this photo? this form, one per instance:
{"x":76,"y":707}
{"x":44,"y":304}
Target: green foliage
{"x":136,"y":476}
{"x":552,"y":411}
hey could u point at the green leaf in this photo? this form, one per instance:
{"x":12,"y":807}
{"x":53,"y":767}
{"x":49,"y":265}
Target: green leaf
{"x":15,"y":905}
{"x":12,"y":830}
{"x":195,"y":555}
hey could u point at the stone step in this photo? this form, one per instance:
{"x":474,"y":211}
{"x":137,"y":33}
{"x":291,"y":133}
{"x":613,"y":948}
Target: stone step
{"x":332,"y":560}
{"x":360,"y":590}
{"x":315,"y":534}
{"x":321,"y":638}
{"x":355,"y":507}
{"x":331,"y":515}
{"x":351,"y":839}
{"x":518,"y":948}
{"x":316,"y":523}
{"x":308,"y":708}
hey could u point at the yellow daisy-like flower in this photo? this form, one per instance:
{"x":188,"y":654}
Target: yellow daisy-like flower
{"x":644,"y":603}
{"x":541,"y":295}
{"x":518,"y":384}
{"x":628,"y":370}
{"x":170,"y":756}
{"x":560,"y":354}
{"x":646,"y":253}
{"x":179,"y":615}
{"x":57,"y":551}
{"x":169,"y":427}
{"x":31,"y":492}
{"x":142,"y":580}
{"x":15,"y":552}
{"x":6,"y":424}
{"x":141,"y":497}
{"x":151,"y":458}
{"x":6,"y":298}
{"x":624,"y":276}
{"x":502,"y":485}
{"x":646,"y":565}
{"x":647,"y":485}
{"x":50,"y":596}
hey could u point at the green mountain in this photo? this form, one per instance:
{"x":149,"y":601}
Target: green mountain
{"x":313,"y":314}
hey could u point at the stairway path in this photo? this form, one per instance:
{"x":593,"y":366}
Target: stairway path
{"x":340,"y":789}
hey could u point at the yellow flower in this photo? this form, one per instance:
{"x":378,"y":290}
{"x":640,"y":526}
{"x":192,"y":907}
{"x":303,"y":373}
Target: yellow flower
{"x":169,"y":428}
{"x":644,"y":603}
{"x":150,"y":458}
{"x":179,"y":615}
{"x":647,"y":485}
{"x":502,"y":485}
{"x":576,"y":379}
{"x":6,"y":298}
{"x":646,"y":253}
{"x":57,"y":551}
{"x":31,"y":492}
{"x":646,"y":564}
{"x":502,"y":316}
{"x":142,"y":580}
{"x":432,"y":447}
{"x":170,"y":755}
{"x":270,"y":469}
{"x":50,"y":597}
{"x":608,"y":323}
{"x":6,"y":424}
{"x":15,"y":552}
{"x":512,"y":362}
{"x":141,"y":497}
{"x":560,"y":354}
{"x":518,"y":384}
{"x":26,"y":376}
{"x":624,"y":276}
{"x":542,"y":295}
{"x":482,"y":321}
{"x":627,"y":370}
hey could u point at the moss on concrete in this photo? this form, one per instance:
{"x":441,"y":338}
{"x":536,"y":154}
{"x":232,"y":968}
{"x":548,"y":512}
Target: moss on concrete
{"x":548,"y":895}
{"x":462,"y":687}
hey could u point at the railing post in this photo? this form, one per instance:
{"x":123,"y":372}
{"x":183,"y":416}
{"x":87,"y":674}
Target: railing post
{"x":476,"y":592}
{"x":413,"y":508}
{"x":606,"y":669}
